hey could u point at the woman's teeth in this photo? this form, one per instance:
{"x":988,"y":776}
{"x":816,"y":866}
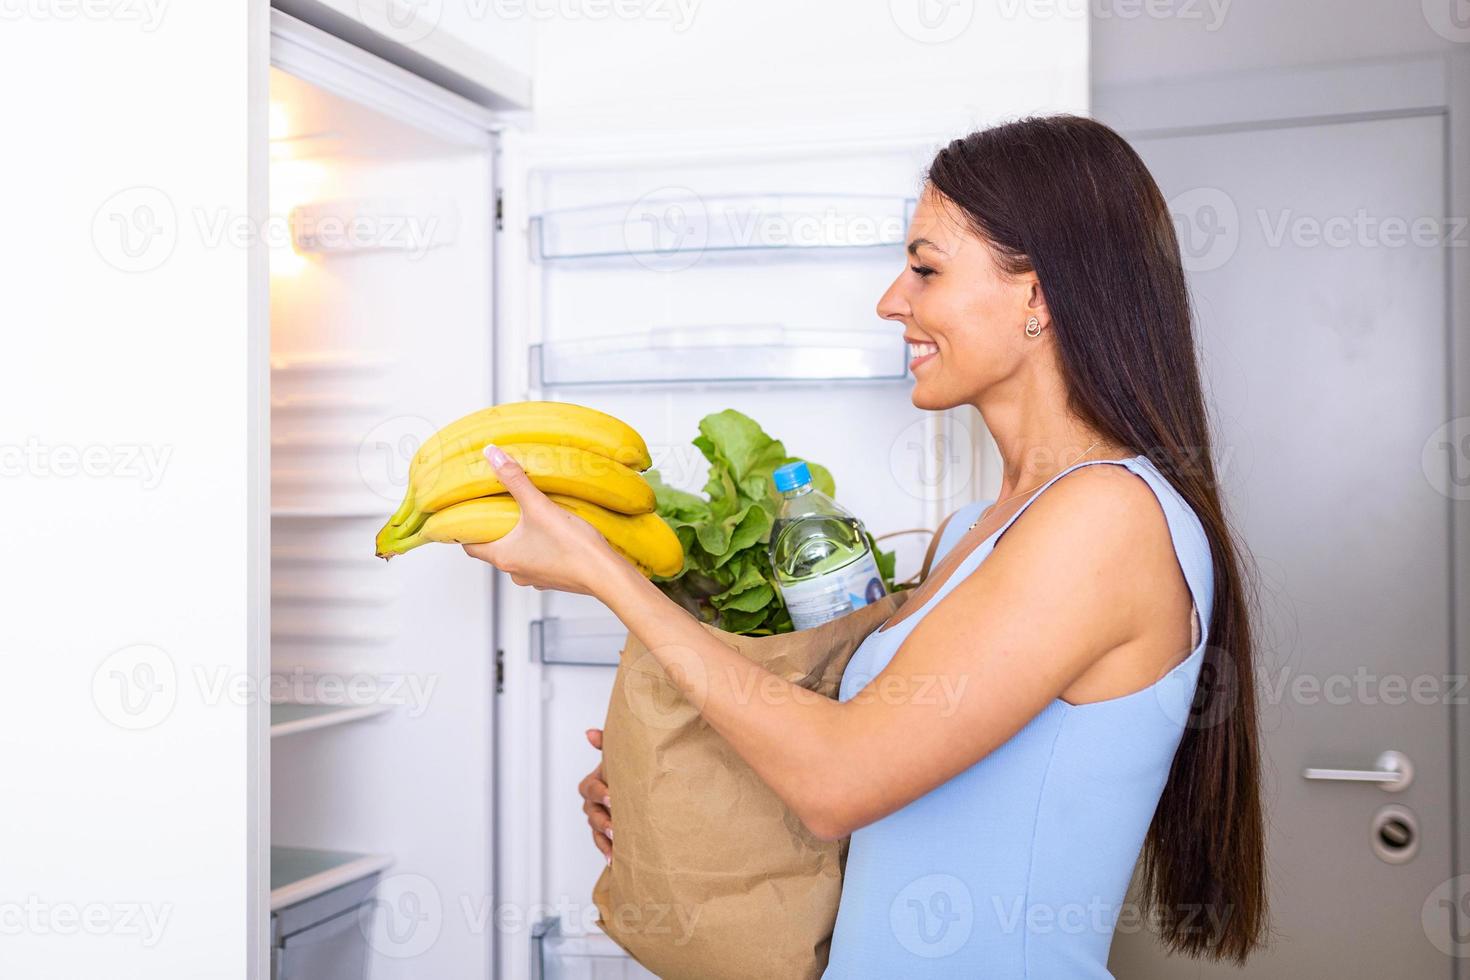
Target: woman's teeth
{"x":920,"y":350}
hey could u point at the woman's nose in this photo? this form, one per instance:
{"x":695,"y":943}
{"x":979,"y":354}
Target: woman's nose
{"x":893,"y":305}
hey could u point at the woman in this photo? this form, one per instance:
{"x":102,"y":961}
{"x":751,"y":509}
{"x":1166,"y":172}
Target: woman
{"x":1093,"y":620}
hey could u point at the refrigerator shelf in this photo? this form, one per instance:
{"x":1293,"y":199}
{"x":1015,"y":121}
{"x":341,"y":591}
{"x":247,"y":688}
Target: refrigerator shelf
{"x":676,"y":227}
{"x":714,"y":354}
{"x":577,"y":642}
{"x":319,"y":362}
{"x":328,"y":402}
{"x":304,"y":627}
{"x":299,"y":874}
{"x":290,"y":718}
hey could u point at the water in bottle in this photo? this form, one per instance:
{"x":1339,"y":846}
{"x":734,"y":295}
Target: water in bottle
{"x":819,"y":552}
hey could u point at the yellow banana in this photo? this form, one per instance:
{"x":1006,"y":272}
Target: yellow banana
{"x":554,"y":469}
{"x":644,"y":539}
{"x":555,"y":423}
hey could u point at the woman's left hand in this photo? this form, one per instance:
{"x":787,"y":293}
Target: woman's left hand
{"x":550,"y":547}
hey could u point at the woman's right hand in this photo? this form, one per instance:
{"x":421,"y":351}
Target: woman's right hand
{"x":596,"y":802}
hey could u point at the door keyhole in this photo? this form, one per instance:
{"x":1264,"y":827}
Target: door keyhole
{"x":1395,"y":834}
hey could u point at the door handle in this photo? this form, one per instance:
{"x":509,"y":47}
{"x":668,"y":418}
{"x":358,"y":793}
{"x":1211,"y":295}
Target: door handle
{"x":1394,"y":773}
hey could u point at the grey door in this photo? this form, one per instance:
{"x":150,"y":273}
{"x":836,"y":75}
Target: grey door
{"x":1317,"y":264}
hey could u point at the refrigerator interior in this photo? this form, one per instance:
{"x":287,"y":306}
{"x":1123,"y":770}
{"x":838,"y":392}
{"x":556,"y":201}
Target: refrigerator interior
{"x":382,"y":674}
{"x":660,"y":288}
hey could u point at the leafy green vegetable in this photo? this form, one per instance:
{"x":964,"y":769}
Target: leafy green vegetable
{"x":727,"y":578}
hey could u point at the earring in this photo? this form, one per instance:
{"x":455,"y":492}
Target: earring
{"x":1033,"y":328}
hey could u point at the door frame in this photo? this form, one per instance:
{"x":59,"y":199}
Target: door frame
{"x":1431,"y":85}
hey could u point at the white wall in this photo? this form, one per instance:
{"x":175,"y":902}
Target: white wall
{"x":124,"y":450}
{"x":1195,"y":37}
{"x":809,"y":67}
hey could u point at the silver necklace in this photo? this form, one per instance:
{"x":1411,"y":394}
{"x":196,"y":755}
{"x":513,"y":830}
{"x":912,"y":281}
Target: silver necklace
{"x":1030,"y":489}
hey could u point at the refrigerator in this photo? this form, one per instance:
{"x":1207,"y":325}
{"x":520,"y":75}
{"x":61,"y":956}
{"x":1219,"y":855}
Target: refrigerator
{"x":430,"y":257}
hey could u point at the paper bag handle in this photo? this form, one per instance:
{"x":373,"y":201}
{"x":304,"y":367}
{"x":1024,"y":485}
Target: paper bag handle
{"x":934,"y":537}
{"x":933,"y":546}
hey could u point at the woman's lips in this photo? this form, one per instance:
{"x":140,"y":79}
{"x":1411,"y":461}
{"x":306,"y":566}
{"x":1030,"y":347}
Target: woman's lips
{"x":919,"y":353}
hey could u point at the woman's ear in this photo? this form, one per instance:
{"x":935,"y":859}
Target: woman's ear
{"x":1036,"y":302}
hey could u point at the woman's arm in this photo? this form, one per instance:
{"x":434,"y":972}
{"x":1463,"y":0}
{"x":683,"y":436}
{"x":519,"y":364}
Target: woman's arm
{"x":1059,"y":594}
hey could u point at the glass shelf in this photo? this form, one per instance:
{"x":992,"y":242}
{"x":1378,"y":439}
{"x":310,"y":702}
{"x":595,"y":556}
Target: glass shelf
{"x":578,"y":642}
{"x":750,"y":353}
{"x":679,"y":222}
{"x":299,"y":873}
{"x":289,"y":718}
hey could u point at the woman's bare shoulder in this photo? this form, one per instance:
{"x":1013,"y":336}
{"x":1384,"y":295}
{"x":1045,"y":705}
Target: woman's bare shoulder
{"x":1099,"y":528}
{"x":1104,"y":504}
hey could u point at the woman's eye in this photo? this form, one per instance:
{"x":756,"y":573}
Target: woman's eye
{"x":922,"y":271}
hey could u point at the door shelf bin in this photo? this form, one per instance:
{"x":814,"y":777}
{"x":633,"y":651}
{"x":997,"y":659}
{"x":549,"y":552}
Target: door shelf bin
{"x":681,"y":224}
{"x":577,"y":642}
{"x":673,"y":355}
{"x":590,"y":957}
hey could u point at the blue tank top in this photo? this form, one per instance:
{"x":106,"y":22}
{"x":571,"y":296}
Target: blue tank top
{"x":1017,"y":867}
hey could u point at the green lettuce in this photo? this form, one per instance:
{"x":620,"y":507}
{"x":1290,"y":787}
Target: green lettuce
{"x":727,"y":578}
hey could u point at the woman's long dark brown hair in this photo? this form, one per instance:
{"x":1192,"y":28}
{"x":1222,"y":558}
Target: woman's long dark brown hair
{"x":1069,"y":199}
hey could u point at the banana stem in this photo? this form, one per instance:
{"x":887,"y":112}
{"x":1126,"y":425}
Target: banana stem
{"x":390,"y":543}
{"x":404,"y":510}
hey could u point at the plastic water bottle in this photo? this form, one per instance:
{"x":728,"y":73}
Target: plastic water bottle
{"x":819,"y":552}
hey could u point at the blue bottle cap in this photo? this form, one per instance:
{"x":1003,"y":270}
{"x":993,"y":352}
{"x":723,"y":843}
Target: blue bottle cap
{"x":791,"y":475}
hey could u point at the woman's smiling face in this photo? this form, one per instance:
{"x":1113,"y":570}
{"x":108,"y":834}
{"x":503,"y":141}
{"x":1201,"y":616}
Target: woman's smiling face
{"x":963,"y":317}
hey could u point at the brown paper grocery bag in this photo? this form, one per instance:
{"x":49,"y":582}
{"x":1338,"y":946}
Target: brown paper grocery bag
{"x":712,"y":876}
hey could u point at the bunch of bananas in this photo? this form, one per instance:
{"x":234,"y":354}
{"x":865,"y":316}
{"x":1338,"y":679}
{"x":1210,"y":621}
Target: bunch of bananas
{"x":585,"y":460}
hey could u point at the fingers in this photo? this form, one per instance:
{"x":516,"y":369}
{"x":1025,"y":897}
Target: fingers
{"x":597,"y":801}
{"x":594,"y":790}
{"x":599,"y":819}
{"x":516,"y":482}
{"x":485,"y":552}
{"x":601,"y":823}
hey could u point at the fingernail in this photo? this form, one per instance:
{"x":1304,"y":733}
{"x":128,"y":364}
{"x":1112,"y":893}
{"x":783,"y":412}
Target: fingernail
{"x":607,"y":832}
{"x":607,"y":802}
{"x":495,"y":455}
